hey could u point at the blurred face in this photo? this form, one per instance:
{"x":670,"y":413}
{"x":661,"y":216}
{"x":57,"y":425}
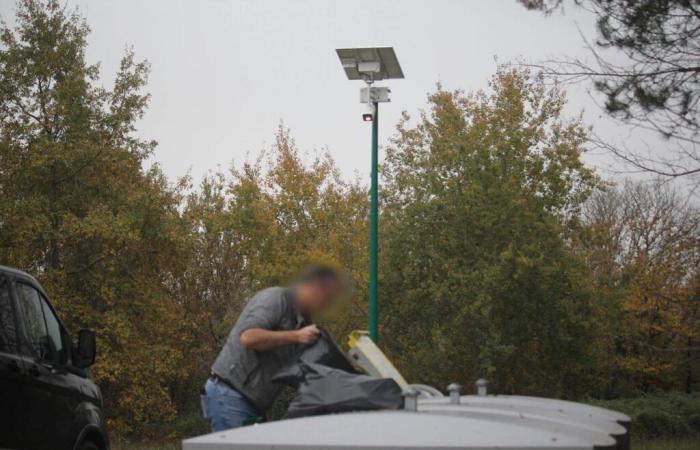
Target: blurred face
{"x":315,"y":296}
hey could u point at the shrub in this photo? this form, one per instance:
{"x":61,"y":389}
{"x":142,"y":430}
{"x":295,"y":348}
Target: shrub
{"x":672,"y":414}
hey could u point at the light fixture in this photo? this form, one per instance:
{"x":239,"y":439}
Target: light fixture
{"x":370,"y":65}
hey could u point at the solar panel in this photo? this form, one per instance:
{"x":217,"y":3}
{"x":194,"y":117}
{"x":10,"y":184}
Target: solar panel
{"x":375,"y":63}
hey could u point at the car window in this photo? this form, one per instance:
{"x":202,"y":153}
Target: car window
{"x":41,"y":326}
{"x":53,"y":327}
{"x":8,"y":329}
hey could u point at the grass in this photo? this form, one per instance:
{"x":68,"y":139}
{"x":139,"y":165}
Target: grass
{"x":666,"y":444}
{"x":147,"y":446}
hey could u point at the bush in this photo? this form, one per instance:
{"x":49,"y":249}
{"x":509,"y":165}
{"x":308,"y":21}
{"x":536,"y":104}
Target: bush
{"x":658,"y":415}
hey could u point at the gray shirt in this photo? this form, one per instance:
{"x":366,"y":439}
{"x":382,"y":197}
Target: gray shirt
{"x":250,"y":371}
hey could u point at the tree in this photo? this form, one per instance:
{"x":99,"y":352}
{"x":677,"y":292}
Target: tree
{"x":255,"y":227}
{"x":480,"y":196}
{"x":643,"y":246}
{"x":82,"y":214}
{"x":658,"y":84}
{"x":159,"y":275}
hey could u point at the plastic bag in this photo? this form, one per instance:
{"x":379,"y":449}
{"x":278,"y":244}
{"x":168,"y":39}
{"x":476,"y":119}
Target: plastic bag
{"x":326,"y":390}
{"x":323,"y":351}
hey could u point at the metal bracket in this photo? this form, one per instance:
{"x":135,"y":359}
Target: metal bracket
{"x":372,"y":94}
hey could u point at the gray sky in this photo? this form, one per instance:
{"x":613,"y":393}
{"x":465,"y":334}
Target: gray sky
{"x":224,"y":73}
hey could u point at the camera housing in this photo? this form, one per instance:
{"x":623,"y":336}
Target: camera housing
{"x":368,"y":116}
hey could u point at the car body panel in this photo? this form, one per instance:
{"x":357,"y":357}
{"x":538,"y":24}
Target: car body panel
{"x":48,"y":405}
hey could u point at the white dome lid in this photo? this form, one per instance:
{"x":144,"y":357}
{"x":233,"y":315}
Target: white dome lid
{"x":394,"y":430}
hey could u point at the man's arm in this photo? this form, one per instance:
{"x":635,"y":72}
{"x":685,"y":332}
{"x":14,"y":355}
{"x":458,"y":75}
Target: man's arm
{"x":262,"y":339}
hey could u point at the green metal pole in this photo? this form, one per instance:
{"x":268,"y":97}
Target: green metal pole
{"x":374,"y":230}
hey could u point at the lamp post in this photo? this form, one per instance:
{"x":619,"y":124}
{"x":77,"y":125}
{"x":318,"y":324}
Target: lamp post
{"x":370,"y":65}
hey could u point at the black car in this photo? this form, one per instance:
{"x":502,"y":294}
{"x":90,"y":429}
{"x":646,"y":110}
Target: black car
{"x":47,"y":400}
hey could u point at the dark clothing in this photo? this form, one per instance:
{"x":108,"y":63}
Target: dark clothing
{"x":251,"y":371}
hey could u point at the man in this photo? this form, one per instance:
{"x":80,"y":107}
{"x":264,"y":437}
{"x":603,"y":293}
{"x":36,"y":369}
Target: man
{"x":267,"y":335}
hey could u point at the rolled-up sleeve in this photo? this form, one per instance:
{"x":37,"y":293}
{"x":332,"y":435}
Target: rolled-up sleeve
{"x":262,"y":312}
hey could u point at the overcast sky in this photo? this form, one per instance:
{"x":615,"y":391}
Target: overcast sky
{"x":224,"y":73}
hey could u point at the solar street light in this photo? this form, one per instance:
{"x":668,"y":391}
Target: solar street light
{"x":370,"y":65}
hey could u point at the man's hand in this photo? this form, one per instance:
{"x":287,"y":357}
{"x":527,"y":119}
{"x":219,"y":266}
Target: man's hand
{"x":307,"y":335}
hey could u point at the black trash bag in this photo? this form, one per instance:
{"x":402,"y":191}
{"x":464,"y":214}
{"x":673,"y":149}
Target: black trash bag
{"x":327,"y":390}
{"x":323,"y":351}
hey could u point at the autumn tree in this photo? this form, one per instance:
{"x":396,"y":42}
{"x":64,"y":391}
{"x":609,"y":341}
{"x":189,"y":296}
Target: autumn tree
{"x":496,"y":260}
{"x":642,"y":243}
{"x":159,"y":275}
{"x":80,"y":211}
{"x":477,"y":279}
{"x":256,"y":227}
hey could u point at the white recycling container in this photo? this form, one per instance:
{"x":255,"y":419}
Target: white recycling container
{"x":402,"y":430}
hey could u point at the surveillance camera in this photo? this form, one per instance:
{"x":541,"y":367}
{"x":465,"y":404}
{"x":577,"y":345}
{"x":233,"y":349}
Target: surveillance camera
{"x":368,"y":116}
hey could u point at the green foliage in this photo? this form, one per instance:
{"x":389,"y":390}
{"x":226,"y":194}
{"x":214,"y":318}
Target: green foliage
{"x":480,"y":194}
{"x":658,"y":415}
{"x":641,"y":247}
{"x":159,"y":276}
{"x":98,"y":230}
{"x":256,"y":227}
{"x":496,"y":260}
{"x":653,"y":82}
{"x":665,"y":444}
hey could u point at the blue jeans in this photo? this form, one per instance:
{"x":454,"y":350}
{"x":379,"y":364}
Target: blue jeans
{"x":225,"y":407}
